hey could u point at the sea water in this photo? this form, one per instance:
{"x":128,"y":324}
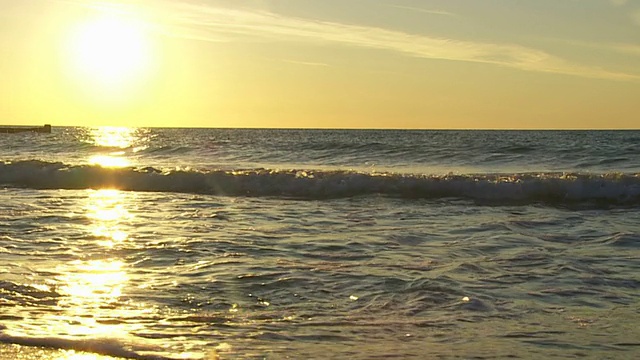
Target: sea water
{"x":312,"y":244}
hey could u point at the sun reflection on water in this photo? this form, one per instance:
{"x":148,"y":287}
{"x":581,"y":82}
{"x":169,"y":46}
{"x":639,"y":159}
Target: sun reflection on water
{"x":114,"y":137}
{"x":106,"y":205}
{"x":119,"y":142}
{"x":72,"y":355}
{"x":96,"y":281}
{"x":107,"y":210}
{"x":109,"y":161}
{"x":93,"y":285}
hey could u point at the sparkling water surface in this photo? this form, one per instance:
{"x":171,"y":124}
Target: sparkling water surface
{"x":314,"y":244}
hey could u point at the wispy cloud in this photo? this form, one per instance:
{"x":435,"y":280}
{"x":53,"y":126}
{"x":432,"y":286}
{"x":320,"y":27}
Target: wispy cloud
{"x":425,"y":11}
{"x":112,"y":7}
{"x":630,"y":49}
{"x":210,"y":23}
{"x":618,"y":2}
{"x":306,"y":63}
{"x":634,"y":14}
{"x":623,"y":48}
{"x":636,"y":17}
{"x":214,"y":21}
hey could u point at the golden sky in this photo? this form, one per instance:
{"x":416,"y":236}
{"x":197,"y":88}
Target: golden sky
{"x":321,"y":63}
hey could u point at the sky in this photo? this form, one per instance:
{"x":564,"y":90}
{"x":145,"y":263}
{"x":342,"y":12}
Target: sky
{"x":414,"y":64}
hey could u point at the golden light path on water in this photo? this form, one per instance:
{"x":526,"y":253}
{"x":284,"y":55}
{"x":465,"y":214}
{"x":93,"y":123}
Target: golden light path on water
{"x":94,"y":305}
{"x":120,"y":140}
{"x":107,"y":210}
{"x":97,"y":283}
{"x":92,"y":288}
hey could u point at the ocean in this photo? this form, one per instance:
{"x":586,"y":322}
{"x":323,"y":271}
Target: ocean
{"x":152,"y":243}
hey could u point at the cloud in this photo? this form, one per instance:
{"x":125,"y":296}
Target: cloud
{"x":215,"y":21}
{"x":636,"y":17}
{"x":306,"y":63}
{"x":618,"y":2}
{"x":210,"y":23}
{"x":426,"y":11}
{"x":623,"y":48}
{"x":630,"y":49}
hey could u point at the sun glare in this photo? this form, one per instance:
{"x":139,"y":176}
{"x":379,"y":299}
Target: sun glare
{"x":110,"y":50}
{"x":109,"y":161}
{"x":116,"y":138}
{"x":93,"y":288}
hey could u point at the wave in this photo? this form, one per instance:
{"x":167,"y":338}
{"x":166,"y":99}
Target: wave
{"x":531,"y":187}
{"x":12,"y":294}
{"x":106,"y":347}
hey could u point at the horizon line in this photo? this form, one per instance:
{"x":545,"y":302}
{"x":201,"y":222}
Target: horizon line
{"x":335,"y":128}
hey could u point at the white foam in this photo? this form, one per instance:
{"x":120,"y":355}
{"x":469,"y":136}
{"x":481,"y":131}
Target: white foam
{"x":612,"y":188}
{"x":107,"y":347}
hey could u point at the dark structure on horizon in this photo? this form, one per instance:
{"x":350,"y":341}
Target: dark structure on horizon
{"x":46,"y":129}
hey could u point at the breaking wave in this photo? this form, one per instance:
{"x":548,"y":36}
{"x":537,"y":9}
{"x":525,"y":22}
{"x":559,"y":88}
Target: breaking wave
{"x":107,"y":347}
{"x":531,"y":187}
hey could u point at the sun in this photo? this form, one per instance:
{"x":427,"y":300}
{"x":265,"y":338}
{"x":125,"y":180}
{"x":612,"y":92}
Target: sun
{"x":109,"y":51}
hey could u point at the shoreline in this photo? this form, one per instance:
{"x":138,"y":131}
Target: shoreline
{"x":22,"y":352}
